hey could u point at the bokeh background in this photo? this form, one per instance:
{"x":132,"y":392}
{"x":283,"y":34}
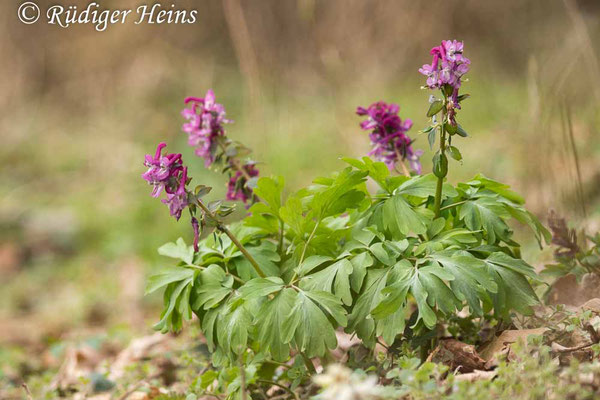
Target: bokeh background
{"x":80,"y":108}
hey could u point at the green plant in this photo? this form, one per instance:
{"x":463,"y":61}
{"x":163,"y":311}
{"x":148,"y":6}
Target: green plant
{"x":389,"y":264}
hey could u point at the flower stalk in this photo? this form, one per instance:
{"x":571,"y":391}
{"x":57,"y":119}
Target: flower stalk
{"x":443,"y":171}
{"x":222,"y":228}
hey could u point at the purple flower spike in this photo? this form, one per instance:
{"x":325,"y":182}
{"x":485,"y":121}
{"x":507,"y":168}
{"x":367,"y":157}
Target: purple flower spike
{"x":205,"y":120}
{"x":237,"y":188}
{"x":388,"y":135}
{"x":447,"y":66}
{"x":178,"y":200}
{"x":162,"y":170}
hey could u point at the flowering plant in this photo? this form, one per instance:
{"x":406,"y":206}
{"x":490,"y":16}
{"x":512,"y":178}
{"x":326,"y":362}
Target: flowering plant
{"x":271,"y":291}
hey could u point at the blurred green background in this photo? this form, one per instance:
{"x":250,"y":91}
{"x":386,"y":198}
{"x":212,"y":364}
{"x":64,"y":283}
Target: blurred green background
{"x":80,"y":109}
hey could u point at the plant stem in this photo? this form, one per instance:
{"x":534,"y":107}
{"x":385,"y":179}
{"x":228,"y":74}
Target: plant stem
{"x":273,"y":383}
{"x":281,"y":233}
{"x":312,"y":234}
{"x":231,"y":236}
{"x":453,"y":205}
{"x":440,"y":182}
{"x":401,"y":162}
{"x":243,"y":378}
{"x":234,"y":162}
{"x":309,"y":365}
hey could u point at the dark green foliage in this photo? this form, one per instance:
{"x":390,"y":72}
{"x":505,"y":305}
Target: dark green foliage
{"x":337,"y":256}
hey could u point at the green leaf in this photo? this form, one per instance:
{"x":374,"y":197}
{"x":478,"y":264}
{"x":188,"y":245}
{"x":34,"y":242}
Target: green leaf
{"x":515,"y":264}
{"x":167,"y":276}
{"x":376,"y":170}
{"x":392,"y":325}
{"x":420,"y":186}
{"x":208,"y":378}
{"x":349,"y":200}
{"x":269,"y":191}
{"x":400,"y":218}
{"x":232,"y":327}
{"x":270,"y":322}
{"x":175,"y":294}
{"x":486,"y":213}
{"x":265,"y":255}
{"x":428,"y":289}
{"x":336,"y":275}
{"x":502,"y":189}
{"x":378,"y":250}
{"x":262,"y":217}
{"x":330,"y":304}
{"x":311,"y":263}
{"x":470,"y":276}
{"x":261,"y":287}
{"x":360,"y":263}
{"x":461,"y":132}
{"x":525,"y":217}
{"x":370,"y":297}
{"x":514,"y":291}
{"x":209,"y":322}
{"x":436,"y":226}
{"x":394,"y":296}
{"x":308,"y":326}
{"x":336,"y":195}
{"x":210,"y":296}
{"x":455,"y":153}
{"x":427,"y":286}
{"x":451,"y":129}
{"x":178,"y":250}
{"x":435,"y":108}
{"x":431,"y":138}
{"x":291,"y":214}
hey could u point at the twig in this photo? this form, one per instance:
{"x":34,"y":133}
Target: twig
{"x":287,"y":389}
{"x":557,"y":348}
{"x":27,"y":392}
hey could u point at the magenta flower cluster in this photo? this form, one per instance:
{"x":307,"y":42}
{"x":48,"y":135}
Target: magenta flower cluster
{"x":166,"y":172}
{"x":448,"y":65}
{"x":205,"y":119}
{"x":388,"y":134}
{"x":163,"y":170}
{"x":237,"y":187}
{"x":205,"y":124}
{"x":446,"y":70}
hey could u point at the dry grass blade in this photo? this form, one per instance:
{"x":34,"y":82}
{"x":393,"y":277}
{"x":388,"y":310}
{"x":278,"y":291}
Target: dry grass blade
{"x":568,"y":129}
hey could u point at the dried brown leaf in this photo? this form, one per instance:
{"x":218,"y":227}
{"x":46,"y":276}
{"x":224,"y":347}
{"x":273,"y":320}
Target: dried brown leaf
{"x":457,"y":355}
